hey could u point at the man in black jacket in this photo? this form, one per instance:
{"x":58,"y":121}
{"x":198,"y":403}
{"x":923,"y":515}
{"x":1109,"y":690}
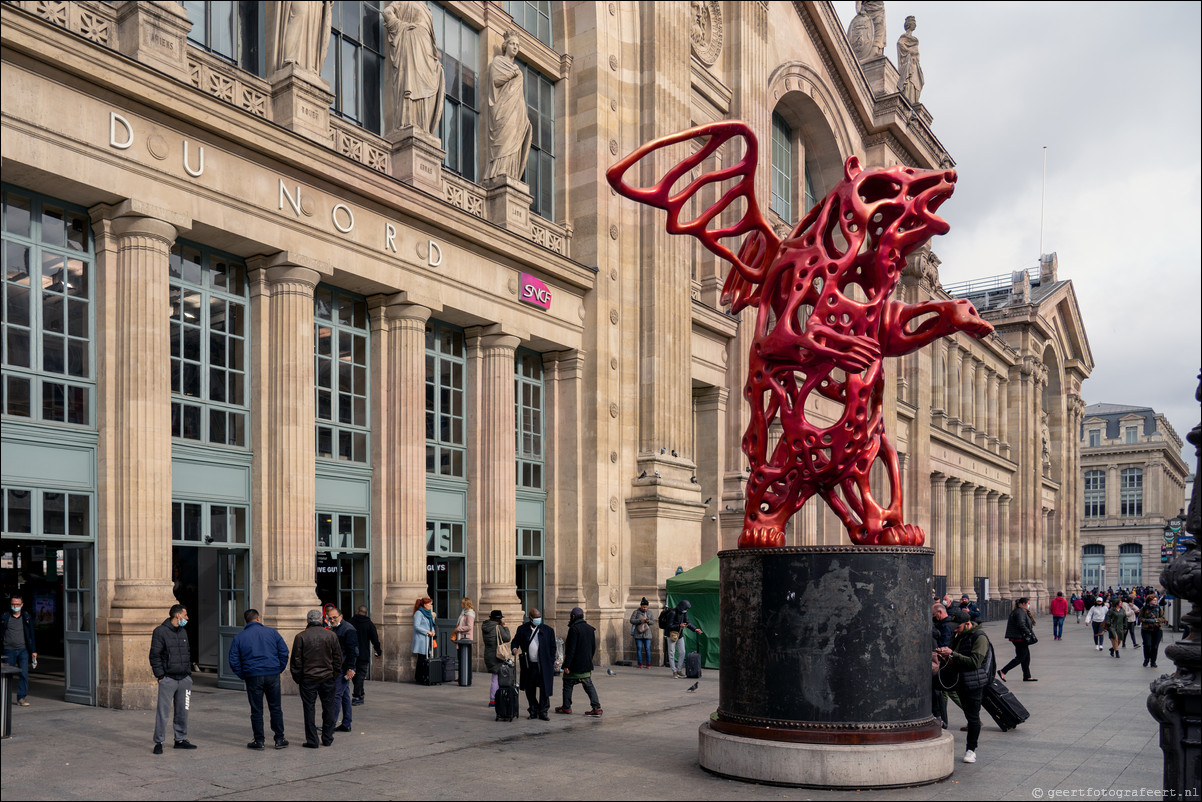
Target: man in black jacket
{"x":536,"y":642}
{"x":315,"y":659}
{"x":368,"y":637}
{"x":348,"y":639}
{"x":578,"y":651}
{"x":171,"y":662}
{"x":20,"y":647}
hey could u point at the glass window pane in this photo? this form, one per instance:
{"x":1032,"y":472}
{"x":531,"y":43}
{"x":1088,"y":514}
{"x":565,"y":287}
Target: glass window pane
{"x":16,"y":401}
{"x":79,"y":516}
{"x":19,"y":508}
{"x":16,"y":214}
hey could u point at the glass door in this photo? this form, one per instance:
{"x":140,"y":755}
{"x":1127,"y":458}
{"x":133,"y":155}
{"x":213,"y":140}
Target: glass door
{"x":233,"y":596}
{"x":79,"y":633}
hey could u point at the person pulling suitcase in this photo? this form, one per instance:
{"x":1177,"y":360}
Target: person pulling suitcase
{"x":970,"y":658}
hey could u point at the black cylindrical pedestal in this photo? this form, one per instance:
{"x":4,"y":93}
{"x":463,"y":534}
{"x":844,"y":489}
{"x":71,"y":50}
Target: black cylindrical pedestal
{"x":826,"y":645}
{"x":465,"y":661}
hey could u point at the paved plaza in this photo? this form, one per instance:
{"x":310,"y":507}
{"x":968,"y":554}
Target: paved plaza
{"x":1089,"y":731}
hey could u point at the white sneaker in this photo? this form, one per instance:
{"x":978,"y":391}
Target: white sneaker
{"x":970,"y":756}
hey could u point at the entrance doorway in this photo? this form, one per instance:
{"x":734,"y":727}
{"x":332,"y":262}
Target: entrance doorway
{"x":55,"y":581}
{"x":213,"y":583}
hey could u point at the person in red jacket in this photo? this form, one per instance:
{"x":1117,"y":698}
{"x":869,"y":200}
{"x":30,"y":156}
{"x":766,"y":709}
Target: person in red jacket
{"x":1078,"y":606}
{"x":1059,"y":609}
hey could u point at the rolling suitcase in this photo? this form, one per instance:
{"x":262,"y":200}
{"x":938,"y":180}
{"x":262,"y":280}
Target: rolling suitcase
{"x":506,"y":676}
{"x":692,"y":665}
{"x":450,"y":668}
{"x":1003,"y":705}
{"x":507,"y":703}
{"x":430,"y":673}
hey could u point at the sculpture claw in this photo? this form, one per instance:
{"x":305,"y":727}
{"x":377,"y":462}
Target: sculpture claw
{"x":761,"y":538}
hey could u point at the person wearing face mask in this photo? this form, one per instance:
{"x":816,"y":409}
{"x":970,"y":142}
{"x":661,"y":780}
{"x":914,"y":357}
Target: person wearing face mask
{"x":536,"y":642}
{"x":348,"y":639}
{"x":171,"y":662}
{"x":19,"y":644}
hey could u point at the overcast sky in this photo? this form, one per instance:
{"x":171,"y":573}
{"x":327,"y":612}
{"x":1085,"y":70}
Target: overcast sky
{"x":1112,"y":90}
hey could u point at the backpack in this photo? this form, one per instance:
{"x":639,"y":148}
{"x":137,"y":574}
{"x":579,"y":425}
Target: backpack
{"x":667,"y":618}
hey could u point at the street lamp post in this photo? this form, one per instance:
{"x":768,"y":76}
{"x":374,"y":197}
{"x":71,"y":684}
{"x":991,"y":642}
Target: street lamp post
{"x":1172,"y":537}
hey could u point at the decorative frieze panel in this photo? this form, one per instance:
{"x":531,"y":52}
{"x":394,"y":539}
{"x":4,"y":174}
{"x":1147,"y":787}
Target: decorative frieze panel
{"x":225,"y":81}
{"x":354,"y":143}
{"x":91,"y":20}
{"x":462,"y":194}
{"x":550,"y":236}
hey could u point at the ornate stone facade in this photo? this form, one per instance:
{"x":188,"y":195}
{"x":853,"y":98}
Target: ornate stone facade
{"x":454,"y":322}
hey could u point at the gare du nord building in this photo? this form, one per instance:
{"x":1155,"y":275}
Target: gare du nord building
{"x":268,"y":344}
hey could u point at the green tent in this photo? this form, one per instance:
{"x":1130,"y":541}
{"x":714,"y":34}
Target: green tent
{"x":700,"y":586}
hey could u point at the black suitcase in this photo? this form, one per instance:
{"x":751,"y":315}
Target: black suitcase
{"x":507,"y":703}
{"x":692,"y":665}
{"x":450,"y":668}
{"x":430,"y":673}
{"x":1003,"y":705}
{"x":506,"y":676}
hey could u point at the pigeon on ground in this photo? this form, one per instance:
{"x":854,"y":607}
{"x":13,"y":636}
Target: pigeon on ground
{"x":692,"y":687}
{"x":611,"y":672}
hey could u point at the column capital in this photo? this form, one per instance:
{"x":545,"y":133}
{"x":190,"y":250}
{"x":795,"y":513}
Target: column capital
{"x":279,"y":261}
{"x":491,"y":338}
{"x":134,"y":216}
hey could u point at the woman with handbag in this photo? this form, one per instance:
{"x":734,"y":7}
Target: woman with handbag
{"x":465,"y":627}
{"x":494,"y":633}
{"x":423,"y":635}
{"x":1020,"y":631}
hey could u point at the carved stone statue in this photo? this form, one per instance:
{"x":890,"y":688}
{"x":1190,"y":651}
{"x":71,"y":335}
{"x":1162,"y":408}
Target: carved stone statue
{"x":415,"y":75}
{"x":509,"y":129}
{"x":866,"y":31}
{"x":1045,"y":437}
{"x":909,"y":70}
{"x":302,"y":35}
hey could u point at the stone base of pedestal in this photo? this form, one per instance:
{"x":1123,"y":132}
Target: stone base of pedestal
{"x":837,"y":767}
{"x":417,"y":158}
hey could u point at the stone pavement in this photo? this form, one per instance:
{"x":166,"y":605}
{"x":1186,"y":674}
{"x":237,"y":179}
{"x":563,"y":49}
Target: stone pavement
{"x":1089,"y":729}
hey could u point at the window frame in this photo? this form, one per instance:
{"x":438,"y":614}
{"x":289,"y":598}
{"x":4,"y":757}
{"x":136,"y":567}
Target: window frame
{"x":534,"y":18}
{"x":540,"y":166}
{"x":368,"y":105}
{"x":1094,"y":488}
{"x":1131,"y":492}
{"x":357,"y":435}
{"x":530,"y":420}
{"x":451,"y":450}
{"x":246,"y":31}
{"x":461,"y":109}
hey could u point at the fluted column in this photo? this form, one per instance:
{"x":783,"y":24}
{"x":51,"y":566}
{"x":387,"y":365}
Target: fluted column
{"x":1004,"y":416}
{"x":981,"y":528}
{"x":495,"y":507}
{"x":968,"y":539}
{"x":939,"y":523}
{"x":399,"y":471}
{"x":953,"y":386}
{"x":1008,"y":574}
{"x":967,"y":399}
{"x":938,"y":351}
{"x":288,"y":463}
{"x":981,"y":408}
{"x":992,"y":402}
{"x":954,"y":556}
{"x":134,"y":459}
{"x":993,"y":544}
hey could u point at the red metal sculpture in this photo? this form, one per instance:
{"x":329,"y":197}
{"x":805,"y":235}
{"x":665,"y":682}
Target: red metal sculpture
{"x":824,"y":324}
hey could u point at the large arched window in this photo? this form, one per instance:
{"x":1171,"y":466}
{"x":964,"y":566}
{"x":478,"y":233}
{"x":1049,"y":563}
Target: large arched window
{"x":805,"y":156}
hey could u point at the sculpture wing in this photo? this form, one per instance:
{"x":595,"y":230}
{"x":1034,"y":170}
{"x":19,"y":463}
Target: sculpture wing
{"x":760,"y":245}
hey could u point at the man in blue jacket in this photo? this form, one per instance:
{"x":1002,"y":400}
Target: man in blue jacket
{"x":259,"y":655}
{"x":348,"y":639}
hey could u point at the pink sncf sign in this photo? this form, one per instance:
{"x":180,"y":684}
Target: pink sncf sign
{"x":533,"y":291}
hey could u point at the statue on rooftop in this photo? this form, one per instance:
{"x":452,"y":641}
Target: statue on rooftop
{"x":509,"y":129}
{"x":909,"y":70}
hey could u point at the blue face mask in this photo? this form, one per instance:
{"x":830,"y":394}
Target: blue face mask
{"x":536,"y":621}
{"x":183,"y":622}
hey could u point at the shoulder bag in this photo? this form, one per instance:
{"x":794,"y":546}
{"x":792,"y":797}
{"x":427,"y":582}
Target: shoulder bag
{"x":504,"y":650}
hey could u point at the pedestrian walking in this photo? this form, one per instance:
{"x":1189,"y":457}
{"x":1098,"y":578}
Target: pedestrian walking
{"x":316,"y":658}
{"x":579,"y":648}
{"x":970,"y":656}
{"x":1116,"y":625}
{"x":1020,"y":631}
{"x":369,"y":642}
{"x":1078,"y":606}
{"x":171,"y":662}
{"x":1132,"y":622}
{"x":348,"y":641}
{"x":1059,"y":609}
{"x":20,"y":644}
{"x":942,"y":632}
{"x":1095,"y":617}
{"x":536,"y":642}
{"x":678,"y":622}
{"x":1151,"y":623}
{"x":258,"y":655}
{"x":640,"y":631}
{"x":492,"y":632}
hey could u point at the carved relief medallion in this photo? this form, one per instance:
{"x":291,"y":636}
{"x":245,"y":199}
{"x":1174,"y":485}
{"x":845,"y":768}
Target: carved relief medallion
{"x":705,"y":30}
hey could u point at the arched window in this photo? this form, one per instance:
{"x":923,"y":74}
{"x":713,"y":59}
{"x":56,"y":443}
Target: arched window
{"x":783,"y":156}
{"x":805,"y":156}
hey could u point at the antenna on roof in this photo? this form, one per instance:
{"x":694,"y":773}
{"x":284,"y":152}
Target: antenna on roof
{"x":1042,"y":196}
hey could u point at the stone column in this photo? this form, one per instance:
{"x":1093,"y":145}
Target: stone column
{"x":939,"y":523}
{"x":711,"y":447}
{"x":287,"y":465}
{"x":134,"y":242}
{"x":993,"y":545}
{"x":991,"y":424}
{"x":399,"y":471}
{"x":981,"y":527}
{"x":953,"y":386}
{"x":967,"y":405}
{"x":982,"y":408}
{"x":1003,"y":417}
{"x":1005,"y":560}
{"x":492,"y":500}
{"x":954,"y":557}
{"x":968,"y":540}
{"x":571,"y":556}
{"x":938,"y":351}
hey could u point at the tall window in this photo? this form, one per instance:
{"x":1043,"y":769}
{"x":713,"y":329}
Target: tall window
{"x":445,"y":572}
{"x":1132,"y":434}
{"x":446,"y":432}
{"x":530,"y":567}
{"x":208,"y":308}
{"x":343,"y":546}
{"x":48,"y":315}
{"x":340,"y":356}
{"x":783,"y":157}
{"x":528,"y":398}
{"x":460,"y":118}
{"x":1131,"y":564}
{"x":534,"y":16}
{"x":1131,"y":492}
{"x":1095,"y":438}
{"x":230,"y":30}
{"x":354,"y":65}
{"x":540,"y":170}
{"x":1093,"y":565}
{"x":1095,"y":494}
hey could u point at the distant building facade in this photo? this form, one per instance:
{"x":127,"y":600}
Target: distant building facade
{"x":1133,"y":482}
